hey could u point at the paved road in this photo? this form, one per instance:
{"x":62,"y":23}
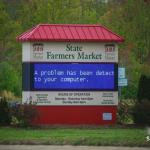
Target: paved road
{"x":47,"y":147}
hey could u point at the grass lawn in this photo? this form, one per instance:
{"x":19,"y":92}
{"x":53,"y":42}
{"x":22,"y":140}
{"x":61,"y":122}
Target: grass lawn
{"x":75,"y":136}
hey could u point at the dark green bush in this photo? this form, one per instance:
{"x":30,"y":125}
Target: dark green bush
{"x":141,"y":113}
{"x":144,"y":88}
{"x":4,"y":112}
{"x":23,"y":115}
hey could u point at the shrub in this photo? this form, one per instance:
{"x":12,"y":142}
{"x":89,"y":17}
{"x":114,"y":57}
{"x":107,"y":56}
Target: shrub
{"x":144,"y":88}
{"x":23,"y":115}
{"x":4,"y":112}
{"x":125,"y":109}
{"x":17,"y":115}
{"x":141,"y":113}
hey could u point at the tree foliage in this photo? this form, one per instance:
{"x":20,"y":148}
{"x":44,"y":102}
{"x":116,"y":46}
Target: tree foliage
{"x":129,"y":18}
{"x":9,"y":78}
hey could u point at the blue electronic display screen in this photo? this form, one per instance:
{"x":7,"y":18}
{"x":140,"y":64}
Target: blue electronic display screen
{"x":54,"y":76}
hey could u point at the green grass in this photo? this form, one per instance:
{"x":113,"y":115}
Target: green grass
{"x":75,"y":136}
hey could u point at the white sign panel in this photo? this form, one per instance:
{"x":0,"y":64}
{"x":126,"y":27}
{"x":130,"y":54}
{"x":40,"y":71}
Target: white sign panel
{"x":69,"y":52}
{"x":122,"y":82}
{"x":70,"y":98}
{"x":41,"y":59}
{"x":121,"y":73}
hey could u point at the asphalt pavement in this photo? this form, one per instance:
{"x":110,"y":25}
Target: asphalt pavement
{"x":50,"y":147}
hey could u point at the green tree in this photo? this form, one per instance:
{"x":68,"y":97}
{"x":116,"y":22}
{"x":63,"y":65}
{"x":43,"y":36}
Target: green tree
{"x":9,"y":79}
{"x":131,"y":19}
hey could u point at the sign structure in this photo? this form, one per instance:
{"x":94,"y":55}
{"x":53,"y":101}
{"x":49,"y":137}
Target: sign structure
{"x":121,"y":72}
{"x":70,"y":73}
{"x":122,"y":81}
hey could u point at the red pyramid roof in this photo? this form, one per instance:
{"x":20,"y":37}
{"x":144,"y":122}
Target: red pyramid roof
{"x":70,"y":32}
